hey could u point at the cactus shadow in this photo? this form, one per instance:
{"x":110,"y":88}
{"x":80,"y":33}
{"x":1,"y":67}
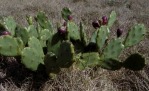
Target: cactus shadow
{"x":18,"y":75}
{"x":55,"y":39}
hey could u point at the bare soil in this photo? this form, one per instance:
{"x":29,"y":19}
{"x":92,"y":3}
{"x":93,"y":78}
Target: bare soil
{"x":14,"y":77}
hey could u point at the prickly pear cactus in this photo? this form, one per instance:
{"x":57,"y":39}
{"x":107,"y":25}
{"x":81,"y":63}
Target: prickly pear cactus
{"x":65,"y":13}
{"x":10,"y":46}
{"x":113,"y":49}
{"x":66,"y":54}
{"x":94,"y":36}
{"x":112,"y":19}
{"x":29,"y":19}
{"x":32,"y":31}
{"x":43,"y":21}
{"x":135,"y":35}
{"x":22,"y":33}
{"x":53,"y":44}
{"x":44,"y":36}
{"x":33,"y":55}
{"x":83,"y":34}
{"x":39,"y":28}
{"x":51,"y":65}
{"x":81,"y":64}
{"x":134,"y":62}
{"x":91,"y":59}
{"x":102,"y":35}
{"x":111,"y":64}
{"x":10,"y":25}
{"x":79,"y":45}
{"x":73,"y":31}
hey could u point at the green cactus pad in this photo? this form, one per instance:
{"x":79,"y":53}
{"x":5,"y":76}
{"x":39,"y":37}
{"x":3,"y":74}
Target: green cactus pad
{"x":29,"y":19}
{"x":32,"y":31}
{"x":91,"y":59}
{"x":53,"y":44}
{"x":33,"y":55}
{"x":94,"y":36}
{"x":83,"y":34}
{"x":39,"y":28}
{"x":134,"y":62}
{"x":51,"y":65}
{"x":80,"y":64}
{"x":112,"y":19}
{"x":10,"y":46}
{"x":43,"y":21}
{"x":10,"y":25}
{"x":50,"y":60}
{"x":65,"y":13}
{"x":73,"y":31}
{"x":22,"y":33}
{"x":111,"y":64}
{"x":135,"y":35}
{"x":44,"y":36}
{"x":66,"y":54}
{"x":20,"y":43}
{"x":102,"y":35}
{"x":113,"y":49}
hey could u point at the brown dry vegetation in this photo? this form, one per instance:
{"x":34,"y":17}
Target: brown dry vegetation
{"x":14,"y":77}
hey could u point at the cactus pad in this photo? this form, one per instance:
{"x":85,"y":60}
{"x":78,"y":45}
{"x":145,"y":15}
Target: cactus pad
{"x":10,"y":25}
{"x":113,"y":49}
{"x":29,"y":19}
{"x":43,"y":21}
{"x":83,"y":34}
{"x":44,"y":36}
{"x":94,"y":36}
{"x":50,"y":62}
{"x":112,"y":19}
{"x":32,"y":31}
{"x":33,"y":55}
{"x":135,"y":35}
{"x":65,"y":13}
{"x":53,"y":44}
{"x":66,"y":55}
{"x":134,"y":62}
{"x":10,"y":46}
{"x":22,"y":33}
{"x":111,"y":64}
{"x":91,"y":59}
{"x":73,"y":32}
{"x":102,"y":35}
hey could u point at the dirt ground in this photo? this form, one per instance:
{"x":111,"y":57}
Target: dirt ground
{"x":128,"y":12}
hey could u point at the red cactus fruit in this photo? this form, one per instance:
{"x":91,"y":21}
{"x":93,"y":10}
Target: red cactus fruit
{"x":5,"y":33}
{"x":70,"y":17}
{"x":104,"y":20}
{"x":62,"y":30}
{"x":96,"y":24}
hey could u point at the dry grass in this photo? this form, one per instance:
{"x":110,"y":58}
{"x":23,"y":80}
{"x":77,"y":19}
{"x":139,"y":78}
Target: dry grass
{"x":14,"y":77}
{"x":87,"y":80}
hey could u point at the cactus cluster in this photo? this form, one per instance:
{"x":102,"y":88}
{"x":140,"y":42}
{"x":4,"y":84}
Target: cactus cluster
{"x":38,"y":43}
{"x":32,"y":55}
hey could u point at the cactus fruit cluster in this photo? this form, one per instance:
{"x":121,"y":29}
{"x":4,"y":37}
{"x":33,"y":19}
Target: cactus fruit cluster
{"x":38,"y":43}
